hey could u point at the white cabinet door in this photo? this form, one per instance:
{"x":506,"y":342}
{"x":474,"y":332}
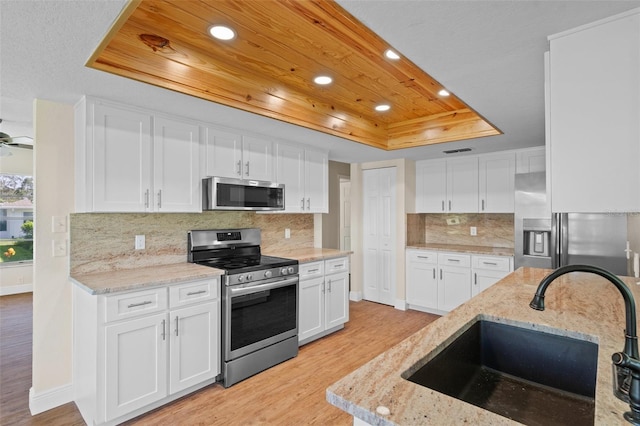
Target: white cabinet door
{"x":531,"y":160}
{"x":483,"y":279}
{"x":454,"y":287}
{"x":136,"y":364}
{"x":422,"y":279}
{"x":223,"y":153}
{"x":431,"y":186}
{"x":120,"y":164}
{"x":257,"y":159}
{"x":496,"y":183}
{"x":462,"y":185}
{"x":312,"y":310}
{"x":595,"y":143}
{"x":316,"y":182}
{"x":337,"y":299}
{"x":290,"y":172}
{"x":194,"y":344}
{"x":176,"y":167}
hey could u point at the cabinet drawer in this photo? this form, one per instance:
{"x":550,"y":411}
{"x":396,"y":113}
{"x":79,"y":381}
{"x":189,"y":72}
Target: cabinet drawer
{"x":334,"y":266}
{"x":492,"y":263}
{"x":193,"y":292}
{"x":128,"y":305}
{"x":311,"y":270}
{"x":421,"y":256}
{"x":451,"y":259}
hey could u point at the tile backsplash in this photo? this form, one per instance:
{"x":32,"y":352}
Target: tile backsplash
{"x":105,"y":241}
{"x":493,"y":229}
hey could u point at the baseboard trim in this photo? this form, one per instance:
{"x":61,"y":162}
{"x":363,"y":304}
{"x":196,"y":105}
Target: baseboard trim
{"x":355,"y":296}
{"x":401,"y":305}
{"x":16,"y":289}
{"x":51,"y":398}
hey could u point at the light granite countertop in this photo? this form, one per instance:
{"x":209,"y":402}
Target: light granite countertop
{"x":495,"y":251}
{"x":578,"y":305}
{"x":145,"y":277}
{"x":304,"y":255}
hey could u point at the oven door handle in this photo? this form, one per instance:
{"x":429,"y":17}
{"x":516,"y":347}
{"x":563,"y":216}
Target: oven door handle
{"x":263,"y":287}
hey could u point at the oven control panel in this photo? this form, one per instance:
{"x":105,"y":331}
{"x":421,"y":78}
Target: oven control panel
{"x":255,"y":277}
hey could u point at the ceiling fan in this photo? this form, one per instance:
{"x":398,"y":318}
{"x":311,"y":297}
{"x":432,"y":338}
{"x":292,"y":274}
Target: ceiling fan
{"x":7,"y":142}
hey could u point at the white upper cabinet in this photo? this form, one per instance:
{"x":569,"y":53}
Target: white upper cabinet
{"x":447,"y":186}
{"x":124,"y":166}
{"x":233,"y":155}
{"x":594,"y":110}
{"x":305,"y":175}
{"x":496,"y":182}
{"x":531,"y":160}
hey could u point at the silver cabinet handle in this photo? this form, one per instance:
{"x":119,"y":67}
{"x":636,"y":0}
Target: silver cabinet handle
{"x":434,"y":273}
{"x":475,"y":278}
{"x":440,"y":273}
{"x":313,"y":270}
{"x":449,"y":205}
{"x":442,"y":205}
{"x":247,"y":168}
{"x":490,"y":263}
{"x":322,"y":288}
{"x":423,"y":257}
{"x":159,"y":198}
{"x":134,"y":305}
{"x":164,"y":335}
{"x":193,"y":293}
{"x":482,"y":205}
{"x":453,"y":260}
{"x":302,"y":203}
{"x":338,"y":266}
{"x":176,"y":326}
{"x":308,"y":203}
{"x":329,"y":286}
{"x":146,"y":199}
{"x":238,"y":168}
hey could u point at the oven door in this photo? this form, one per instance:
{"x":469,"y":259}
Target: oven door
{"x":260,"y":315}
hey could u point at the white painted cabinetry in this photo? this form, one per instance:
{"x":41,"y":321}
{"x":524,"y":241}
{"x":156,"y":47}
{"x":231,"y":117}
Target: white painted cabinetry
{"x":137,"y":350}
{"x":447,"y":186}
{"x":438,"y":282}
{"x":595,"y":141}
{"x":305,"y":174}
{"x":232,"y":155}
{"x":496,"y":182}
{"x":324,"y":298}
{"x":531,"y":160}
{"x":129,"y":160}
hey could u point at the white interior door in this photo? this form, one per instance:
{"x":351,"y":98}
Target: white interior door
{"x":379,"y":259}
{"x":345,"y":214}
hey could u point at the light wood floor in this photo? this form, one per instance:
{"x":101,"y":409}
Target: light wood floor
{"x":292,"y":393}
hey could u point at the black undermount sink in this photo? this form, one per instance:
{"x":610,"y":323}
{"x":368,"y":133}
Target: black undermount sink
{"x":529,"y":376}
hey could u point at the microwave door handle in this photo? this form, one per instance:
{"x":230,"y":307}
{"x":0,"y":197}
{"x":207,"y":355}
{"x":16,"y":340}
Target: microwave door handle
{"x":263,"y":287}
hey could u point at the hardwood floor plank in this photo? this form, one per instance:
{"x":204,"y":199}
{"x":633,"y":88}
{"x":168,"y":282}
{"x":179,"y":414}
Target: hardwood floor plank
{"x":291,"y":393}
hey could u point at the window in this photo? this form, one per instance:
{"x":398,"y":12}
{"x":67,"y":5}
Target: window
{"x":16,"y":218}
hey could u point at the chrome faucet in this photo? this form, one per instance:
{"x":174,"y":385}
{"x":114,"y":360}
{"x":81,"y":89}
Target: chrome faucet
{"x":626,"y":363}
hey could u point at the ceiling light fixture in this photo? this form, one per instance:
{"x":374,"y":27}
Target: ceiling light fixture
{"x":383,"y":107}
{"x":390,"y":54}
{"x":443,"y":92}
{"x":221,"y":32}
{"x":323,"y":80}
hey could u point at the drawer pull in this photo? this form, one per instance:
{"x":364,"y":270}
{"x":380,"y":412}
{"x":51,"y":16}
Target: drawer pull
{"x":313,"y":270}
{"x":490,"y":263}
{"x":338,"y":266}
{"x":193,"y":293}
{"x":453,"y":260}
{"x":423,"y":257}
{"x":135,"y":305}
{"x":164,"y":335}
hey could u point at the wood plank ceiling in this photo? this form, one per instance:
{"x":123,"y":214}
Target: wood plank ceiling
{"x":269,"y":68}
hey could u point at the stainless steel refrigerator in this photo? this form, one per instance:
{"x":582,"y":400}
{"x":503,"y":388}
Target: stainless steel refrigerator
{"x":549,"y":240}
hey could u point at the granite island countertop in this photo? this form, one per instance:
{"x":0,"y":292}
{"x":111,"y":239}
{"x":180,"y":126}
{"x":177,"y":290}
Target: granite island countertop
{"x":495,"y":251}
{"x":144,"y":277}
{"x":578,"y":305}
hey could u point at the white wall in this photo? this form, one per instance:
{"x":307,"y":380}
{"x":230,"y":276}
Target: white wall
{"x":52,"y":308}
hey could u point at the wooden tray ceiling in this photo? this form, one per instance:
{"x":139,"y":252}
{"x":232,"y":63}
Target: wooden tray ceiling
{"x":268,"y":69}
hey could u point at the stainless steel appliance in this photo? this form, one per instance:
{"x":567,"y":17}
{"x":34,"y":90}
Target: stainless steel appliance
{"x":259,"y":300}
{"x":547,"y":240}
{"x":220,"y":193}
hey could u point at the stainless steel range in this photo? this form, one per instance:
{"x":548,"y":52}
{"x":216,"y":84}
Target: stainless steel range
{"x":259,"y":300}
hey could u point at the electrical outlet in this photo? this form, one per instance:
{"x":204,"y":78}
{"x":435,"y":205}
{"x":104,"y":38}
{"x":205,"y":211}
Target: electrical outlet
{"x":140,"y":242}
{"x":287,"y":233}
{"x":453,"y":221}
{"x":474,"y":231}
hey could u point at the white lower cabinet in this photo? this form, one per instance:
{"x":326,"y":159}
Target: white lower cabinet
{"x":438,"y":282}
{"x":324,"y":298}
{"x":135,"y":351}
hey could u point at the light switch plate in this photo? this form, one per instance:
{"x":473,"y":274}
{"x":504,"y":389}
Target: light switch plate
{"x":58,"y":248}
{"x":287,"y":233}
{"x":58,"y":224}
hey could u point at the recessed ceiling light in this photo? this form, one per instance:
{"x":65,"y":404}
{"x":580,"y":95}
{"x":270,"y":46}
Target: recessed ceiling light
{"x":323,"y":80}
{"x":391,"y":54}
{"x":221,"y":32}
{"x":383,"y":107}
{"x":443,"y":93}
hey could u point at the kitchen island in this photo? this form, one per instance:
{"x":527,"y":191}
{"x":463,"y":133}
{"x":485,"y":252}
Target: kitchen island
{"x":578,"y":305}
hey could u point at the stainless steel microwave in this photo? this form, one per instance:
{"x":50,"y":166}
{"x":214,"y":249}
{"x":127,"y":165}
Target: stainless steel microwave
{"x":219,"y":193}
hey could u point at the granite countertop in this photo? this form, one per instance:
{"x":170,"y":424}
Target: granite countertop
{"x":579,"y":305}
{"x":495,"y":251}
{"x":145,"y":277}
{"x":308,"y":254}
